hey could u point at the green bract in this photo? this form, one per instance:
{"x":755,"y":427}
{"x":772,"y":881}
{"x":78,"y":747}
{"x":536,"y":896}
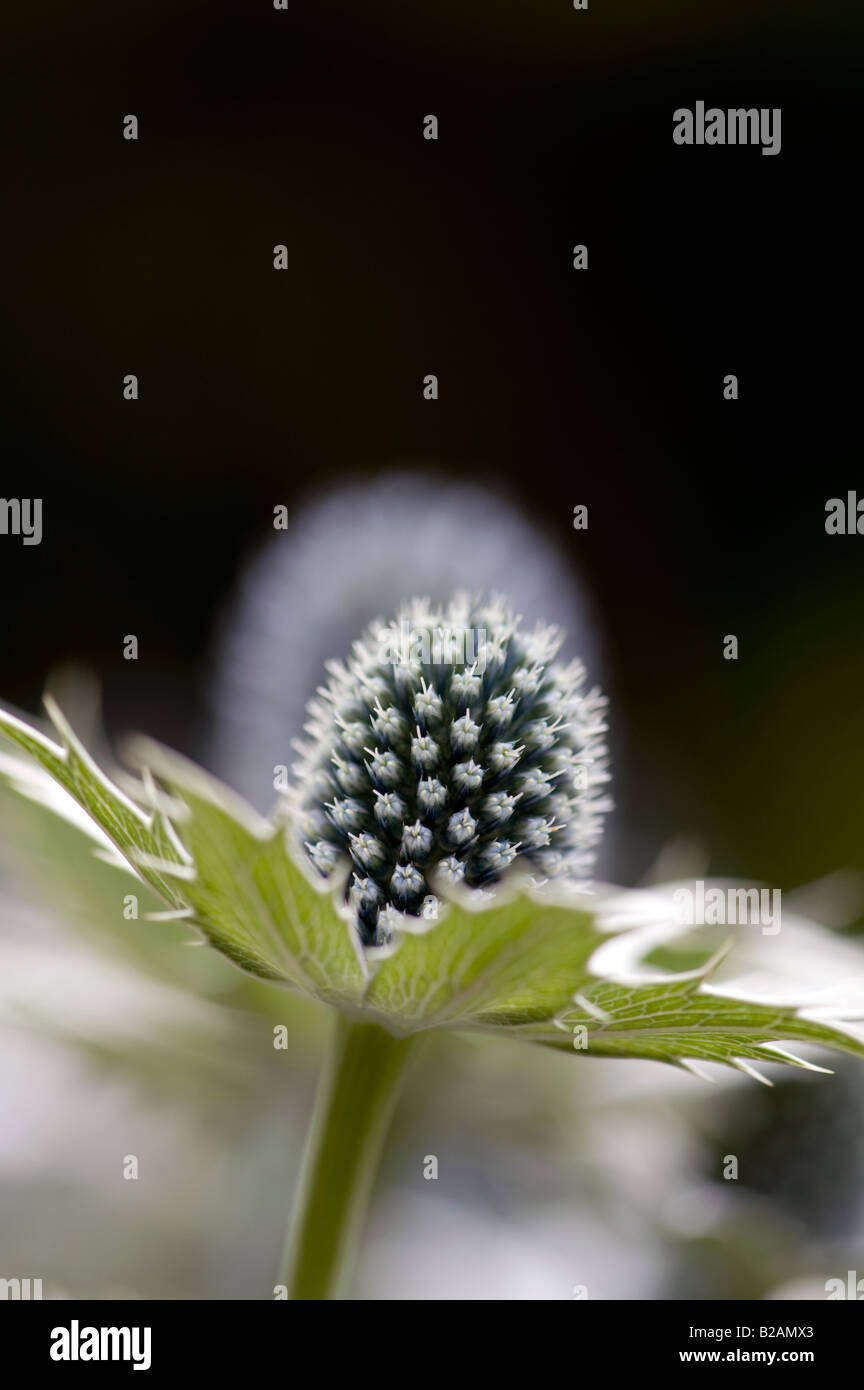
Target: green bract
{"x":521,"y":961}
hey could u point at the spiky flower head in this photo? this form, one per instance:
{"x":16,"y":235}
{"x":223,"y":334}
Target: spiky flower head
{"x":448,"y":746}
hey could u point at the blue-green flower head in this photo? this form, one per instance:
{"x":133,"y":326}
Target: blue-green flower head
{"x":449,"y":746}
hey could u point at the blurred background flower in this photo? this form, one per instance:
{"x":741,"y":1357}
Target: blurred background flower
{"x":354,"y":554}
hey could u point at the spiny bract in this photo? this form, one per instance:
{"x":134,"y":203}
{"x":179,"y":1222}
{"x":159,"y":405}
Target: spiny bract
{"x":447,"y":746}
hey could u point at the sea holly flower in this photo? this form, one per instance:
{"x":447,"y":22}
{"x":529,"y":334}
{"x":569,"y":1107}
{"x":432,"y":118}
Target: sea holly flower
{"x":428,"y":871}
{"x":345,"y":554}
{"x":451,"y":741}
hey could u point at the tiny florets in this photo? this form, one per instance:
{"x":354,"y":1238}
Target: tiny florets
{"x":448,"y":746}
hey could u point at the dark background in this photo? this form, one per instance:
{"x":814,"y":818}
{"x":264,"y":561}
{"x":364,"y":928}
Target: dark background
{"x":407,"y":257}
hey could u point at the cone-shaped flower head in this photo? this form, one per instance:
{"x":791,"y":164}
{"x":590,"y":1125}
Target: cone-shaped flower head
{"x":447,"y":747}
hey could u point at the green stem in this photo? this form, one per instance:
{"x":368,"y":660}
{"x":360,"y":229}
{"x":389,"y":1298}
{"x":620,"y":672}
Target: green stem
{"x":355,"y":1102}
